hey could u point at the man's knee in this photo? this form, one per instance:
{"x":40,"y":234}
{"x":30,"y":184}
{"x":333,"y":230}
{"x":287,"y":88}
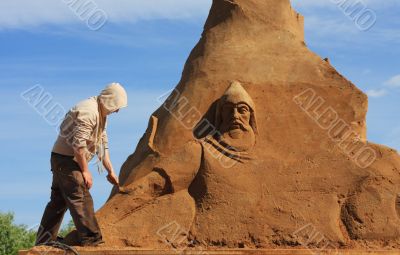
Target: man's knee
{"x":57,"y":203}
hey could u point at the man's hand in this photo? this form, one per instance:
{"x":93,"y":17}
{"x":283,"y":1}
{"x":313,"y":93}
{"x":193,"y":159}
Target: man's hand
{"x":80,"y":155}
{"x":112,"y":178}
{"x":87,"y":177}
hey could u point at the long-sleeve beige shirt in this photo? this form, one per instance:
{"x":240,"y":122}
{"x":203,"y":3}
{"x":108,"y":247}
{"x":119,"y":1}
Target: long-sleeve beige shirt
{"x":83,"y":126}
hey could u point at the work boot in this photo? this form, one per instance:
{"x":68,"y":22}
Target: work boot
{"x":60,"y":239}
{"x":92,"y":243}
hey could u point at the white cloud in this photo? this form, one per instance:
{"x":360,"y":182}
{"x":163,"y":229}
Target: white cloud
{"x":376,"y":92}
{"x":394,"y":81}
{"x":324,"y":26}
{"x":366,"y":71}
{"x":376,"y":4}
{"x":28,"y":13}
{"x":328,"y":24}
{"x":307,"y":3}
{"x":131,"y":10}
{"x":391,"y":136}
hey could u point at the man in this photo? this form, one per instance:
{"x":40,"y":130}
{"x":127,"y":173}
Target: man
{"x":82,"y":136}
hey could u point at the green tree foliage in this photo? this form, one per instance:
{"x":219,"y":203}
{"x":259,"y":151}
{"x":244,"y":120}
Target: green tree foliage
{"x":19,"y":237}
{"x":67,"y":228}
{"x":14,"y":237}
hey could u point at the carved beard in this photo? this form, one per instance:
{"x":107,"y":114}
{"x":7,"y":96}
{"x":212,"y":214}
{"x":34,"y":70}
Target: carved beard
{"x":239,"y":139}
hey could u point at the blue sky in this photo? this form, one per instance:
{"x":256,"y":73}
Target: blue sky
{"x":144,"y":45}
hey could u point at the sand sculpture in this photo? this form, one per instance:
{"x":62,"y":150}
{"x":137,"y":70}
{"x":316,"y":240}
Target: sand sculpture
{"x":261,"y":142}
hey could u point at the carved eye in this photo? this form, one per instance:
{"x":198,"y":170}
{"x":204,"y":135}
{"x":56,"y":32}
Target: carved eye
{"x":243,"y":109}
{"x":227,"y":108}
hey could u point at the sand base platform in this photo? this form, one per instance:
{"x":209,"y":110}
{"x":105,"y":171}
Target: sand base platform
{"x":112,"y":251}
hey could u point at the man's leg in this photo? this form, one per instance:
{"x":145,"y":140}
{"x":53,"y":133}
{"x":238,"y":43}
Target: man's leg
{"x":79,"y":202}
{"x":52,"y":216}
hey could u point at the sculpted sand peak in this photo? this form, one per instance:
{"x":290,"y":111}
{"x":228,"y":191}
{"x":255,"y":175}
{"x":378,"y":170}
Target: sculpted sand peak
{"x":260,"y":144}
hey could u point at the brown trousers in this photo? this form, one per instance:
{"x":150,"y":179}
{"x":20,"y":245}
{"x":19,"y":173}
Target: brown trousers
{"x":68,"y":191}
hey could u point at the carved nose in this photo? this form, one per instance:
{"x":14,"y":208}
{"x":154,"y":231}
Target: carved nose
{"x":236,"y":114}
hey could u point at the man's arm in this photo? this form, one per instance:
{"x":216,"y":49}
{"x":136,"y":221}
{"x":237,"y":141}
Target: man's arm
{"x":80,"y":156}
{"x":111,"y":177}
{"x":85,"y":123}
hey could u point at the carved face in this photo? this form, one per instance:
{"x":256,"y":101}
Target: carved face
{"x":235,"y":127}
{"x":235,"y":117}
